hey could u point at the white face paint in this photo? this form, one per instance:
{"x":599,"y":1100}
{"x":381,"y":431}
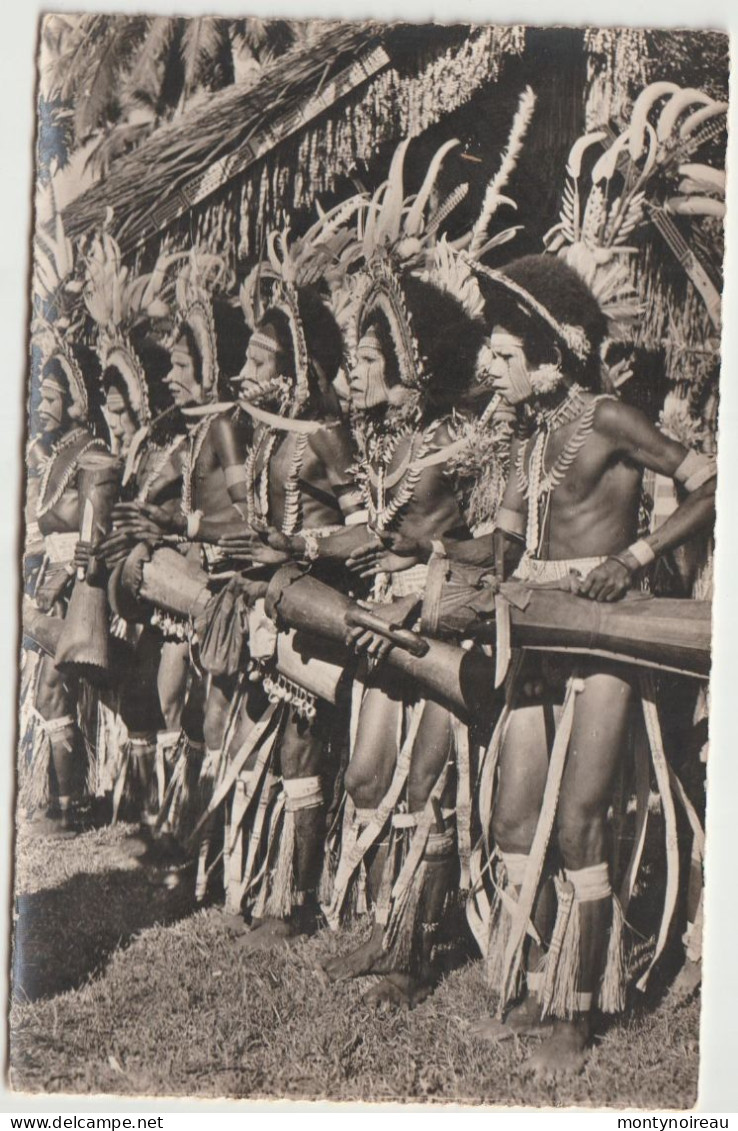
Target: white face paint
{"x":367,"y":379}
{"x":181,"y":380}
{"x":52,"y":409}
{"x":120,"y":421}
{"x":505,"y":362}
{"x":260,"y":371}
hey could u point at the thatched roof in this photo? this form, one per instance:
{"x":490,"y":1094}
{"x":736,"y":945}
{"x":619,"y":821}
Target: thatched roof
{"x":186,"y":160}
{"x":250,"y":156}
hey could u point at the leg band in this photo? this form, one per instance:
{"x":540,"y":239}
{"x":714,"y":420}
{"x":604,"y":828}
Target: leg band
{"x":516,"y":864}
{"x":590,"y":884}
{"x":54,"y":726}
{"x":440,"y":845}
{"x":364,"y":816}
{"x":302,"y":793}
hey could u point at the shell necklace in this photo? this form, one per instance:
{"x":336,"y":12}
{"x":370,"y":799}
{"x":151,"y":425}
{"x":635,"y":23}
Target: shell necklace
{"x":159,"y":463}
{"x":257,"y":500}
{"x":383,"y":513}
{"x":538,"y":484}
{"x":196,"y":439}
{"x":45,"y":504}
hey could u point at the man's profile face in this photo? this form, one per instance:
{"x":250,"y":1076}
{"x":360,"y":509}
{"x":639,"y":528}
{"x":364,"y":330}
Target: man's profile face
{"x":505,"y":362}
{"x":181,"y":380}
{"x":367,"y":380}
{"x":260,"y":371}
{"x":119,"y":418}
{"x":52,"y":409}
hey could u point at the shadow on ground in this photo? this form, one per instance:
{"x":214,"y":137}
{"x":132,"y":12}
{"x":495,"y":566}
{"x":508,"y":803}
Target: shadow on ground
{"x":65,"y":934}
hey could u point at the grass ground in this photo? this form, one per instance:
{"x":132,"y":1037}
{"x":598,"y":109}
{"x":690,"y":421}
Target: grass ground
{"x":124,"y":988}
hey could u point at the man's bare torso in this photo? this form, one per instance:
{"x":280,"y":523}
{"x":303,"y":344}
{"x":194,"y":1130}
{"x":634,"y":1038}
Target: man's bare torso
{"x":594,"y":509}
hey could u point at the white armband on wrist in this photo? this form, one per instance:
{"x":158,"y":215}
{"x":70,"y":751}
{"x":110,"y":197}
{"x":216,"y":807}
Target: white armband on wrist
{"x":349,"y":499}
{"x":694,"y":470}
{"x":312,"y":549}
{"x":358,"y":518}
{"x":511,"y":522}
{"x":235,"y":474}
{"x":642,"y":552}
{"x":193,"y":524}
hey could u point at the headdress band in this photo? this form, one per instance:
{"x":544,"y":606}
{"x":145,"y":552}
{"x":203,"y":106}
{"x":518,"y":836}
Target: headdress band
{"x":371,"y":337}
{"x":56,"y":383}
{"x":264,"y":341}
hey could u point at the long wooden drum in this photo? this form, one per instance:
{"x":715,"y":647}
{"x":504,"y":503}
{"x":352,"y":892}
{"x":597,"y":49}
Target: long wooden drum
{"x":660,"y":632}
{"x":83,"y":644}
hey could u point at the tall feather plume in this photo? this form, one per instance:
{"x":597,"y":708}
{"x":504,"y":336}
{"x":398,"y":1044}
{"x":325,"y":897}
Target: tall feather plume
{"x":493,"y":196}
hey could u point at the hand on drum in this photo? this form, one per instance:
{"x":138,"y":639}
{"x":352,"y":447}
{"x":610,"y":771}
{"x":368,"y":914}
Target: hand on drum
{"x":606,"y":582}
{"x":373,"y":644}
{"x":384,"y":553}
{"x":87,"y":561}
{"x":265,"y":547}
{"x":118,"y":545}
{"x":147,"y":515}
{"x":82,"y":554}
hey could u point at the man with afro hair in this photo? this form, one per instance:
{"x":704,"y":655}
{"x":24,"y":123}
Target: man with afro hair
{"x":568,"y":519}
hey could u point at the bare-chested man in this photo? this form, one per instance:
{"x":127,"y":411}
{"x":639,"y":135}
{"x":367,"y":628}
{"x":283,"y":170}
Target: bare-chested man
{"x":53,"y":504}
{"x":299,"y":490}
{"x":571,"y":505}
{"x":206,"y":349}
{"x":400,"y":777}
{"x":151,"y":451}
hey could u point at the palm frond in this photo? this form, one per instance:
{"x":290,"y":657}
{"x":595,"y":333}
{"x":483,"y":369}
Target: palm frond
{"x":202,"y":43}
{"x":104,"y":69}
{"x":144,"y":79}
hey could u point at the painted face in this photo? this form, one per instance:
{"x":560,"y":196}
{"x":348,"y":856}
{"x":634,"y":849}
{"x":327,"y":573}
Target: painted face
{"x":120,"y":421}
{"x":52,"y":409}
{"x":367,"y":379}
{"x":503,"y":359}
{"x":260,"y":372}
{"x":181,"y":380}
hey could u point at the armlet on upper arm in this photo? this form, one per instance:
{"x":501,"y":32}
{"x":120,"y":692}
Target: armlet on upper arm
{"x":511,"y":522}
{"x":694,"y":470}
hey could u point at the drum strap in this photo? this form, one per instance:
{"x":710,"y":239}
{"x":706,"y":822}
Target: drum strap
{"x":661,"y":770}
{"x":350,"y":861}
{"x":529,"y":889}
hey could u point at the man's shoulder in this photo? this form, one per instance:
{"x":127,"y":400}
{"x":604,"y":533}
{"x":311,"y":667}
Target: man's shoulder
{"x":227,"y":422}
{"x":443,"y":435}
{"x":332,"y":437}
{"x":613,"y":418}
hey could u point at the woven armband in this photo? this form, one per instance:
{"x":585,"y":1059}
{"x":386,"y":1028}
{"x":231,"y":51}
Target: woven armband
{"x":511,"y":522}
{"x":348,"y":498}
{"x":642,"y":552}
{"x":694,"y":470}
{"x":312,"y":549}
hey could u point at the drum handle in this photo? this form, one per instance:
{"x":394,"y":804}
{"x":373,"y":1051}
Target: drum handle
{"x":410,"y":641}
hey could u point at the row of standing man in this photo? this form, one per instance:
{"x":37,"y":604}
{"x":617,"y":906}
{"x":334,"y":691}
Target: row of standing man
{"x":435,"y":411}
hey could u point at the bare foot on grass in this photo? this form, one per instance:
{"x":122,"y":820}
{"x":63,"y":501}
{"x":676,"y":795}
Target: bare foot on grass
{"x":686,"y":983}
{"x":523,"y":1020}
{"x":366,"y":959}
{"x":563,"y":1054}
{"x":398,"y":990}
{"x":269,"y":933}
